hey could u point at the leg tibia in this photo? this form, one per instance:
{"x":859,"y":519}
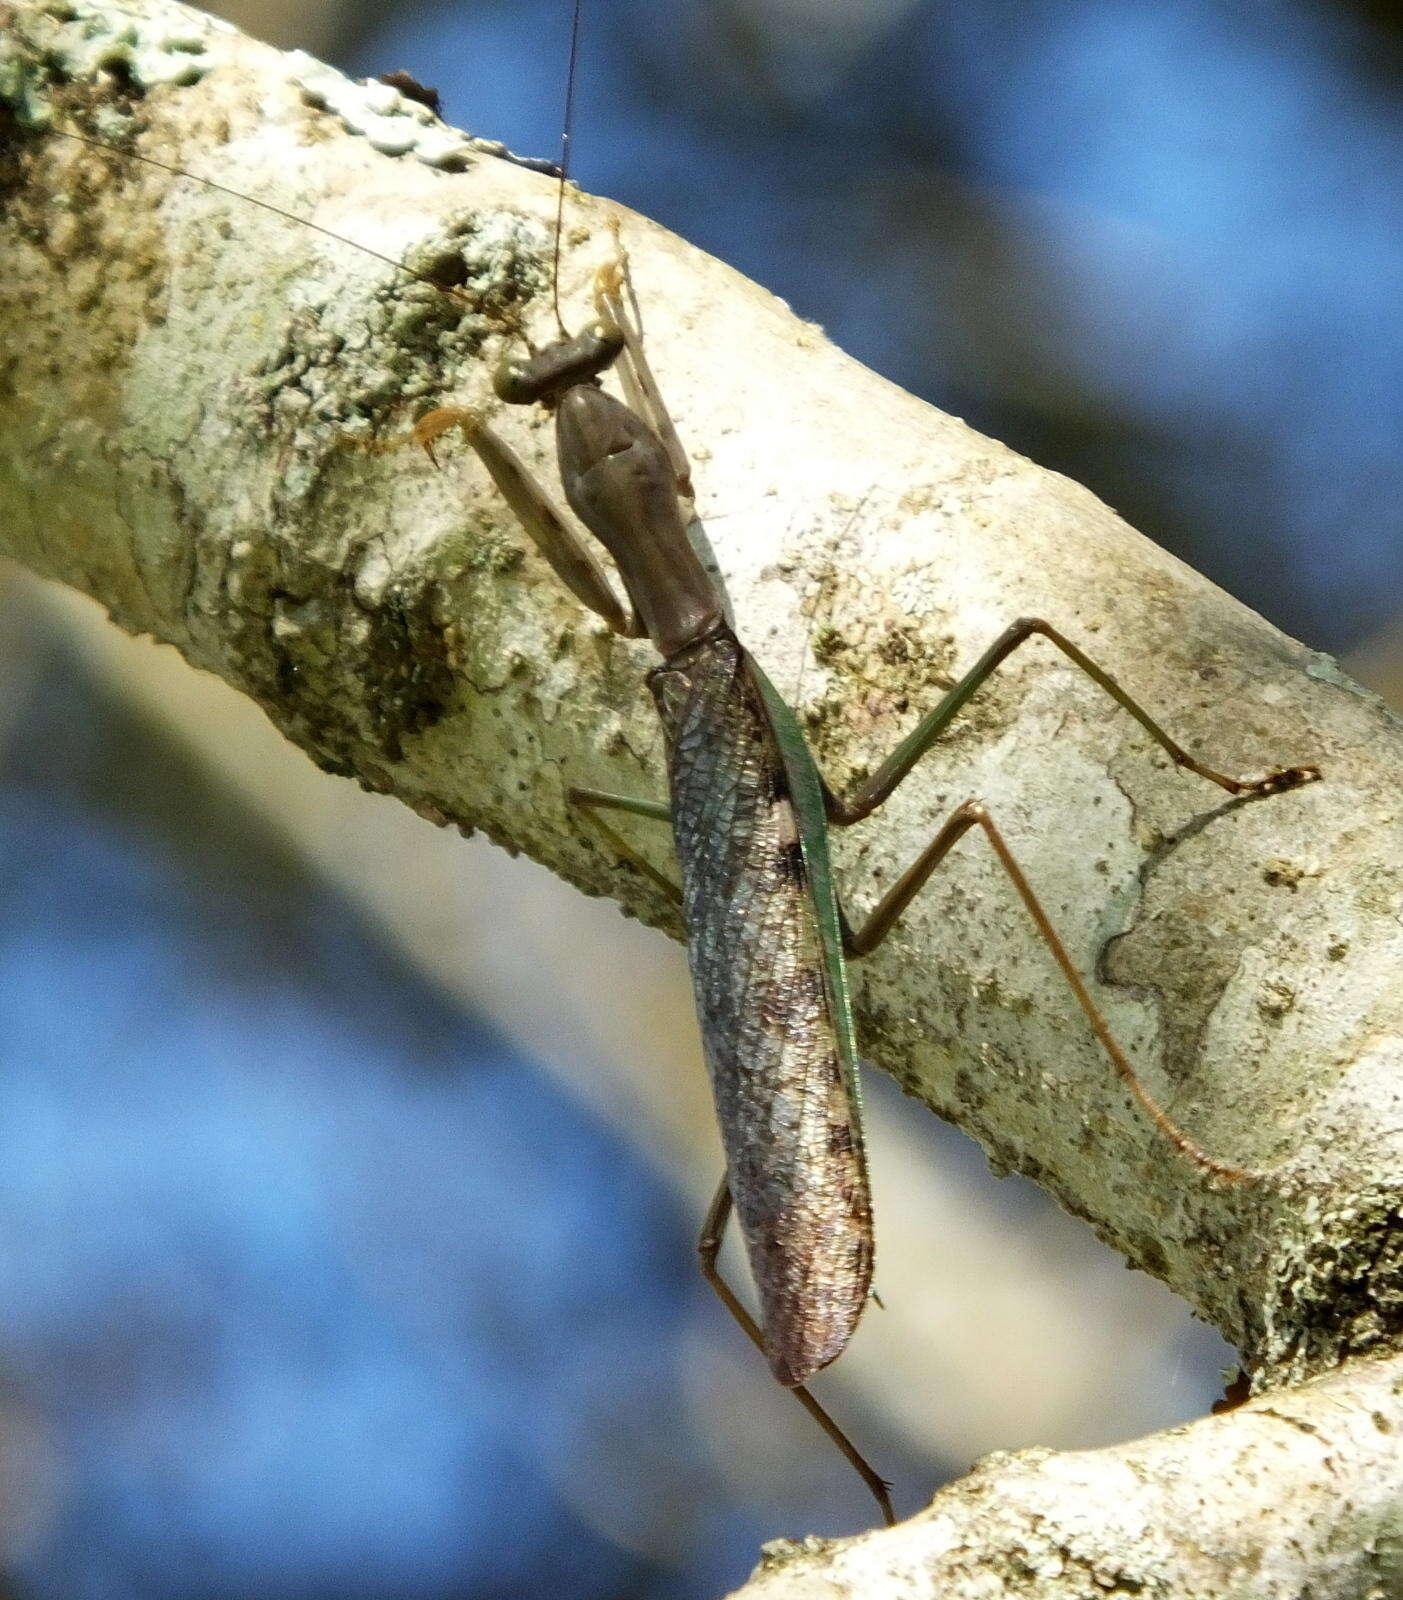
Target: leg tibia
{"x":593,"y":801}
{"x":708,"y":1249}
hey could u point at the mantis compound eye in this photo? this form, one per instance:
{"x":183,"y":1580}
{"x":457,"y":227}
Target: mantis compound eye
{"x":566,"y":364}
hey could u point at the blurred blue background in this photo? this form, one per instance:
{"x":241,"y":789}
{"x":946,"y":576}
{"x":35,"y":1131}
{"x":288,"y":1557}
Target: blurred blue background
{"x":310,"y":1283}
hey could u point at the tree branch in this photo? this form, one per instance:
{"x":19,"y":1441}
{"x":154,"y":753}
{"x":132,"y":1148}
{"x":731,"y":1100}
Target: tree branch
{"x":1298,"y":1493}
{"x":180,"y":375}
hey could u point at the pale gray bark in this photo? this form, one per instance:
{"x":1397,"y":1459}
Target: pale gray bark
{"x":182,"y":379}
{"x":1299,"y":1493}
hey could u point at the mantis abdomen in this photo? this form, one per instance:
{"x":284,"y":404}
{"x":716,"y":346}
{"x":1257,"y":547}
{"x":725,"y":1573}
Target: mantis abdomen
{"x":785,"y":1095}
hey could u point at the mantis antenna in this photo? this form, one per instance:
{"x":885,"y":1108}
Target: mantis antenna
{"x":567,"y":133}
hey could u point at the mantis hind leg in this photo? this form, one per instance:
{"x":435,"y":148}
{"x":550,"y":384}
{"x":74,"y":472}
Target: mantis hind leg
{"x":592,"y":801}
{"x":843,"y":812}
{"x":973,"y":814}
{"x":708,"y":1249}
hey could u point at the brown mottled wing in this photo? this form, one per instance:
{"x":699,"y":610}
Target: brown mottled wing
{"x":794,"y":1156}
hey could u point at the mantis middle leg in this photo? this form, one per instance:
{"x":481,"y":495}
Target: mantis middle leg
{"x":592,"y":801}
{"x":879,"y":787}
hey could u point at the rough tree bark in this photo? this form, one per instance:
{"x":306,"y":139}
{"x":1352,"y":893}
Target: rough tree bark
{"x":182,"y":379}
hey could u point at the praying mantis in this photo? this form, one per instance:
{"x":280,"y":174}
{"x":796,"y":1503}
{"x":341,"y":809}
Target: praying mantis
{"x":751,"y":815}
{"x":767,"y":935}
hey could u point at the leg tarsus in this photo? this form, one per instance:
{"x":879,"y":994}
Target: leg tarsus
{"x":603,"y":800}
{"x":425,"y":432}
{"x":708,"y":1249}
{"x":434,"y":424}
